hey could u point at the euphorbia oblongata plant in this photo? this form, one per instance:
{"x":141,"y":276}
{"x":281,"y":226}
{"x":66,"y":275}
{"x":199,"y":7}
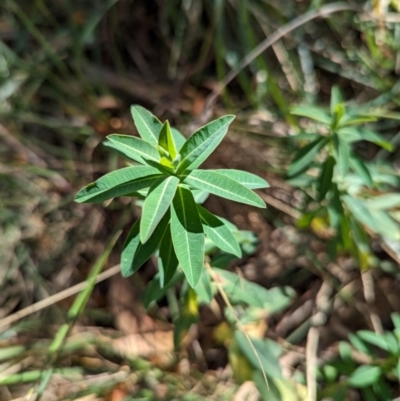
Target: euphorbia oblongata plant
{"x":165,"y":173}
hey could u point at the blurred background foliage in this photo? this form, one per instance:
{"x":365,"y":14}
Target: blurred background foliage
{"x":69,"y":71}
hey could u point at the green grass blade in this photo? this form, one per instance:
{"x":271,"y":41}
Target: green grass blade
{"x":118,"y":183}
{"x":249,"y":180}
{"x":148,"y":125}
{"x":135,"y":254}
{"x":133,"y":148}
{"x":156,"y":204}
{"x":187,"y":235}
{"x":218,"y":232}
{"x":221,"y":185}
{"x":203,"y":142}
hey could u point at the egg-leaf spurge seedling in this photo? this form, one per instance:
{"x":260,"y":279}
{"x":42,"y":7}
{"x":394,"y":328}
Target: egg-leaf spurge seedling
{"x":166,"y":174}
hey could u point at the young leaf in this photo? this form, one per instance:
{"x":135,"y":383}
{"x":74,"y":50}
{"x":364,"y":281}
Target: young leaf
{"x":315,"y":113}
{"x":221,"y":185}
{"x":147,"y":124}
{"x":218,"y":232}
{"x":325,"y":179}
{"x":133,"y":148}
{"x":167,"y":260}
{"x":135,"y":254}
{"x":179,"y":139}
{"x":306,"y":155}
{"x":248,"y":180}
{"x":187,"y":235}
{"x":156,"y":204}
{"x":202,"y":143}
{"x":166,"y":140}
{"x":364,"y":376}
{"x":336,"y":98}
{"x":118,"y":183}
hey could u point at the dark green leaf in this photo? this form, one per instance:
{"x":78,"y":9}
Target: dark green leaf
{"x":306,"y":155}
{"x":167,"y":260}
{"x":135,"y":254}
{"x":187,"y":235}
{"x":325,"y":179}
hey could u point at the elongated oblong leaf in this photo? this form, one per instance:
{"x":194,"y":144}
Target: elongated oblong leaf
{"x":361,"y":169}
{"x":221,"y":185}
{"x":167,"y":260}
{"x":118,"y":183}
{"x":135,"y":254}
{"x":325,"y":179}
{"x":315,"y":113}
{"x":147,"y":124}
{"x":133,"y":148}
{"x":187,"y":235}
{"x":354,"y":134}
{"x":179,"y":139}
{"x":218,"y":232}
{"x":248,"y":180}
{"x":203,"y":142}
{"x":156,"y":204}
{"x":306,"y":155}
{"x":342,"y":154}
{"x":387,"y":201}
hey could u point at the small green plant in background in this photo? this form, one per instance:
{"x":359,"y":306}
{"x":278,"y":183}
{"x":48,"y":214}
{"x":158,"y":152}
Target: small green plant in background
{"x":168,"y":178}
{"x":344,"y":192}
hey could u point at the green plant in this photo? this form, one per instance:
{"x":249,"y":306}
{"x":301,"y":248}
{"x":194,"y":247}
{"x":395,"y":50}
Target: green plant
{"x":344,"y":192}
{"x":369,"y":362}
{"x":168,"y":178}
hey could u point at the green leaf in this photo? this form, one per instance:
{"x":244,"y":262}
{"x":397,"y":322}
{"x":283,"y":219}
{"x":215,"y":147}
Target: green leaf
{"x":342,"y":154}
{"x":325,"y":179}
{"x":355,"y":134}
{"x":315,"y":113}
{"x":202,"y":143}
{"x":221,"y":185}
{"x":361,"y":169}
{"x":167,"y":260}
{"x":118,"y":183}
{"x":364,"y":376}
{"x":135,"y":254}
{"x":179,"y":139}
{"x":387,"y":201}
{"x":248,"y":180}
{"x":356,"y":120}
{"x":306,"y":155}
{"x":187,"y":235}
{"x":218,"y":232}
{"x":134,"y":148}
{"x":156,"y":204}
{"x":373,"y":338}
{"x":336,"y":98}
{"x":147,"y":124}
{"x":204,"y":290}
{"x":166,"y":140}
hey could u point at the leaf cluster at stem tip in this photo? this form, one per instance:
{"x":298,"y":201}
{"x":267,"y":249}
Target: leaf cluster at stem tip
{"x":166,"y":174}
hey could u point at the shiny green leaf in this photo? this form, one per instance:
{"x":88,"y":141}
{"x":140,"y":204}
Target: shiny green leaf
{"x":147,"y":124}
{"x":248,"y":180}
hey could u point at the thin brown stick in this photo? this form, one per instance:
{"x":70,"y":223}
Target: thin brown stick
{"x":56,"y":298}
